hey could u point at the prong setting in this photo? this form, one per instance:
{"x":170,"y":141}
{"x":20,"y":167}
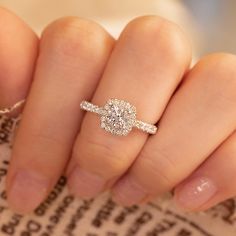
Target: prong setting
{"x":118,"y":117}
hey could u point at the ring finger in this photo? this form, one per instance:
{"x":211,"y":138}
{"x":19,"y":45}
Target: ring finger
{"x":147,"y":64}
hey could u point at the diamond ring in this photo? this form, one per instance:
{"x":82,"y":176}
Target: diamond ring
{"x":118,"y":117}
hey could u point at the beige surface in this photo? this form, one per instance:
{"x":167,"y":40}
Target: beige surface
{"x":112,"y":14}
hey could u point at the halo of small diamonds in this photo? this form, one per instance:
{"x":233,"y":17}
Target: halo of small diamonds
{"x":118,"y":117}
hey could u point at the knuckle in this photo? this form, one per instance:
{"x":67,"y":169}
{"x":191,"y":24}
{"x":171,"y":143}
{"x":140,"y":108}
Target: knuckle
{"x":143,"y":24}
{"x":72,"y":36}
{"x":44,"y":145}
{"x":44,"y":138}
{"x":159,"y":167}
{"x":175,"y":40}
{"x":100,"y":157}
{"x":160,"y":33}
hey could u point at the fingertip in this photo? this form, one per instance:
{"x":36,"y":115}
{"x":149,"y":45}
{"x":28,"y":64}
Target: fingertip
{"x":26,"y":191}
{"x":195,"y":193}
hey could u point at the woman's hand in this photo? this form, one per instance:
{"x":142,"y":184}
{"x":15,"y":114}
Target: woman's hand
{"x":78,"y":60}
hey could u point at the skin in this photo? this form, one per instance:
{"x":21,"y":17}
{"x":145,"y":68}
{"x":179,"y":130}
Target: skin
{"x":76,"y":59}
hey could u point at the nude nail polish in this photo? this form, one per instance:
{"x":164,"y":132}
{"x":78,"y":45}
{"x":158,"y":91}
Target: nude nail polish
{"x":27,"y":191}
{"x":195,"y":193}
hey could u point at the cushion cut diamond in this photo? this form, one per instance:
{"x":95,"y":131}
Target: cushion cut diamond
{"x":119,"y":117}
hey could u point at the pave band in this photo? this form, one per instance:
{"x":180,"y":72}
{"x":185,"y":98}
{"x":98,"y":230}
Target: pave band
{"x":118,"y":117}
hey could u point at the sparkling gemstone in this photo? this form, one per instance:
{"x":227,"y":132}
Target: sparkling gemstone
{"x":119,"y":117}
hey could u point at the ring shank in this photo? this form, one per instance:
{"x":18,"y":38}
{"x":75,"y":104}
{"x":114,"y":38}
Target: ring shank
{"x":148,"y":128}
{"x":88,"y":106}
{"x":145,"y":127}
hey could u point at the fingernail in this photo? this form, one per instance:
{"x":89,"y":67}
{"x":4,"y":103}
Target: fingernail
{"x":128,"y":192}
{"x":27,"y":191}
{"x":85,"y":184}
{"x":195,"y":193}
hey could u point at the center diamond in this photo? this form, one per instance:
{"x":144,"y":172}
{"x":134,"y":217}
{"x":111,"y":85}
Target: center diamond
{"x":119,"y":117}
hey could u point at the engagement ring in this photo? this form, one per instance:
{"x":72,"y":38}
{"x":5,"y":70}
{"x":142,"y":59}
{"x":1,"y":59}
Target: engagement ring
{"x":118,"y":117}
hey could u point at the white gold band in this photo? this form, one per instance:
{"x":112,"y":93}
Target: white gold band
{"x":8,"y":110}
{"x":118,"y":117}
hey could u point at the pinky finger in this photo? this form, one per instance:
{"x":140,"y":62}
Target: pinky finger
{"x":18,"y":53}
{"x":213,"y":182}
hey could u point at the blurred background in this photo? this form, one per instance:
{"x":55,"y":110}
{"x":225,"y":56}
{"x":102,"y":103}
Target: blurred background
{"x":210,"y":24}
{"x":216,"y":24}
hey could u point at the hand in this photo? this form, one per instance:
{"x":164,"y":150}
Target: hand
{"x":78,"y":61}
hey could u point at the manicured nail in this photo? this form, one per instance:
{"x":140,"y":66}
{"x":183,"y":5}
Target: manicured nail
{"x":195,"y":193}
{"x":27,"y":191}
{"x":127,"y":192}
{"x":85,"y":184}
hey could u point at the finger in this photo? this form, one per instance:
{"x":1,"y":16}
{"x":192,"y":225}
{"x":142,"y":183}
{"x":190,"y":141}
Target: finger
{"x":198,"y":118}
{"x":18,"y":52}
{"x":151,"y":55}
{"x":73,"y":53}
{"x":212,"y":182}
